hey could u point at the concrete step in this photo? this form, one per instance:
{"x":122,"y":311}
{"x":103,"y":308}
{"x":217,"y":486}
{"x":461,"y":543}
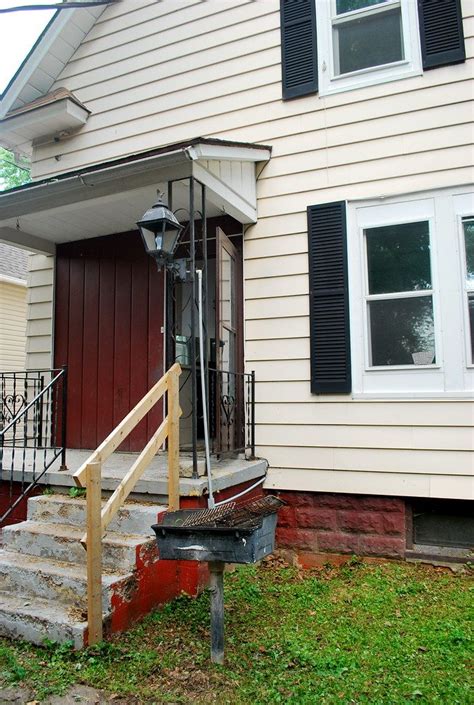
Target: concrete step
{"x":61,"y":542}
{"x":27,"y":575}
{"x":37,"y":619}
{"x":132,"y":518}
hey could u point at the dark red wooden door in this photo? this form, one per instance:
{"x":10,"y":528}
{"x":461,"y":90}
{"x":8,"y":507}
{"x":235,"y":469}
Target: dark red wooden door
{"x":108,"y":330}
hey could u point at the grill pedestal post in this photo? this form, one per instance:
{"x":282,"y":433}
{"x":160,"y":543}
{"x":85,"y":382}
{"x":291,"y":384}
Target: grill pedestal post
{"x":216,"y":570}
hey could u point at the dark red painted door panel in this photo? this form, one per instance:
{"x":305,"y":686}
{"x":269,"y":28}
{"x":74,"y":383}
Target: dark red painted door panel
{"x":109,"y":319}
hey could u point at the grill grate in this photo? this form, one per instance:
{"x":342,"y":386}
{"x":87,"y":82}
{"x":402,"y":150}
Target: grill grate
{"x":232,"y":515}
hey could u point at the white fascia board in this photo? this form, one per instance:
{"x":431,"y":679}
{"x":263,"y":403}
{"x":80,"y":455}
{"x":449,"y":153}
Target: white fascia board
{"x":33,"y":62}
{"x":229,"y":153}
{"x":224,"y":197}
{"x":26,"y":241}
{"x":12,"y":280}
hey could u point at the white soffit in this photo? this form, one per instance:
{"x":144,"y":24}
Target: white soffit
{"x":50,"y":54}
{"x":111,"y":198}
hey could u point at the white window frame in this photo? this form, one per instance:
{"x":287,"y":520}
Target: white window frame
{"x":452,"y":373}
{"x":411,"y":65}
{"x":465,"y":213}
{"x":399,"y":295}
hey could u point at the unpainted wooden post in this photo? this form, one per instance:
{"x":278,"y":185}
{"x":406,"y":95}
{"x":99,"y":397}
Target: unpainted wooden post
{"x":173,"y":439}
{"x":216,"y":586}
{"x":94,"y":553}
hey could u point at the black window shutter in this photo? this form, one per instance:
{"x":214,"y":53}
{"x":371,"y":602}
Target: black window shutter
{"x":298,"y":48}
{"x":441,"y":32}
{"x":328,"y":299}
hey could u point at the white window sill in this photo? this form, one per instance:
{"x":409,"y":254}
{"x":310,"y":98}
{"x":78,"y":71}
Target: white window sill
{"x":405,"y":368}
{"x":364,"y":78}
{"x":415,"y":396}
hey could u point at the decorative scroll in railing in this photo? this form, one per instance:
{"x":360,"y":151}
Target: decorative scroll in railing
{"x":32,"y":429}
{"x":89,"y":476}
{"x":232,"y":412}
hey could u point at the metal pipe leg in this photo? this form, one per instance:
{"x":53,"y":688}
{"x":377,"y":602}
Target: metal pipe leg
{"x":217,"y":611}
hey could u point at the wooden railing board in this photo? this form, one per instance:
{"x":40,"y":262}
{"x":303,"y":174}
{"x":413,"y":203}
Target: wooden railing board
{"x":125,"y":427}
{"x":89,"y":476}
{"x":94,"y":553}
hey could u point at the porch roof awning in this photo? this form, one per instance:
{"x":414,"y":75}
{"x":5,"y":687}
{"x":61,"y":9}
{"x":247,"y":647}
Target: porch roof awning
{"x":110,"y":197}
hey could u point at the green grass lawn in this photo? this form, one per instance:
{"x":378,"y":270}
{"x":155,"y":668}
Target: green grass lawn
{"x":390,"y":633}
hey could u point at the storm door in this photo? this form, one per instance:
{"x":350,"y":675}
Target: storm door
{"x":229,"y":363}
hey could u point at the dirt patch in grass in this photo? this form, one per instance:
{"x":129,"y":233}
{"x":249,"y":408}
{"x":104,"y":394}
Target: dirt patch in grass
{"x":360,"y":633}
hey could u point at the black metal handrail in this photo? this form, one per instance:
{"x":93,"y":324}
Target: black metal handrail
{"x":232,"y":412}
{"x":33,"y":406}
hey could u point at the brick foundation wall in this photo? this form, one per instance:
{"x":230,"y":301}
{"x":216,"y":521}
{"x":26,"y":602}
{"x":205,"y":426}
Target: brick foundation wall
{"x":317,"y":523}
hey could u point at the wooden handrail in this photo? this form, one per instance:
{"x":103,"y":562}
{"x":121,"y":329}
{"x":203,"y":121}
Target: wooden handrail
{"x":126,"y":426}
{"x":89,"y":476}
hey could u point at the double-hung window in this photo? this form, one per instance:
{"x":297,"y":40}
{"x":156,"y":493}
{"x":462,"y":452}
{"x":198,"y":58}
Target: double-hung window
{"x":362,"y":42}
{"x":411,"y":294}
{"x":399,"y":297}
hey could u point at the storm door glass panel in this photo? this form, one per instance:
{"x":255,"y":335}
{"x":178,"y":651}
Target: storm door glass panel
{"x":226,"y":342}
{"x":400,"y":296}
{"x":366,"y":34}
{"x":468,"y":228}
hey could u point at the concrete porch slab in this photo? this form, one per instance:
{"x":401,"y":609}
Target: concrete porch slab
{"x":227,"y":472}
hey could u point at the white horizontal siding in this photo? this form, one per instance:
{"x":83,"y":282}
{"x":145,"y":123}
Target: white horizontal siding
{"x":39,"y":347}
{"x":157,"y":73}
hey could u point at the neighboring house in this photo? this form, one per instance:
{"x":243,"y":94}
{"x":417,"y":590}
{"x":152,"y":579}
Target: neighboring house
{"x":342,"y":129}
{"x":13,"y":305}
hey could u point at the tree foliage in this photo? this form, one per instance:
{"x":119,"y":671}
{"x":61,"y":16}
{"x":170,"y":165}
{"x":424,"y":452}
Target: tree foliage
{"x":12,"y":173}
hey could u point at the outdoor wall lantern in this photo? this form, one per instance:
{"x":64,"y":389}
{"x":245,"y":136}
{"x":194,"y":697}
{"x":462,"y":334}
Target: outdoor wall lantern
{"x":160,"y":231}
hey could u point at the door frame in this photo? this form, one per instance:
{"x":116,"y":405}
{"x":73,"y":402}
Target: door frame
{"x":224,"y":242}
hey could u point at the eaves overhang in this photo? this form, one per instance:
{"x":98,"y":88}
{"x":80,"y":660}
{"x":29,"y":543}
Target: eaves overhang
{"x":49,"y":55}
{"x":110,"y":197}
{"x":50,"y":117}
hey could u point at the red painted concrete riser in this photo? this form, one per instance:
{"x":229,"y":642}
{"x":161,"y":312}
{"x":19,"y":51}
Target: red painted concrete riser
{"x":317,"y":523}
{"x":8,"y":495}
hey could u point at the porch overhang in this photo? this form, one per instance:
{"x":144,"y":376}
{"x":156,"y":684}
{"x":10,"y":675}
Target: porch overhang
{"x":109,"y":198}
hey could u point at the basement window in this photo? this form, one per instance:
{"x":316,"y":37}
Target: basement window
{"x":443,"y":522}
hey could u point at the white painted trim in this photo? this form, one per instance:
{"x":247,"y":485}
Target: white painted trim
{"x":66,"y":114}
{"x":450,"y":375}
{"x":12,"y":280}
{"x":374,"y":483}
{"x":411,"y":65}
{"x":227,"y":153}
{"x":220,"y":193}
{"x":61,"y":22}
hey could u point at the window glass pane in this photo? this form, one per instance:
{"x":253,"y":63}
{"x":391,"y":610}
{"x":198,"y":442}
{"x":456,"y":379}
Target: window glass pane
{"x":350,"y":5}
{"x":368,"y":41}
{"x":402,"y":331}
{"x":470,"y":302}
{"x":469,"y":240}
{"x":398,"y":258}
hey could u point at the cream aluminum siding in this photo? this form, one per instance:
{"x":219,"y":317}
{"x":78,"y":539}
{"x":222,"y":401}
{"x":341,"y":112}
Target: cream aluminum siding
{"x":157,"y":73}
{"x":12,"y":324}
{"x":39,"y":329}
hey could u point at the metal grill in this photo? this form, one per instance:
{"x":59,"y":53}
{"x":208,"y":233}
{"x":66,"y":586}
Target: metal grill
{"x":231,"y":515}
